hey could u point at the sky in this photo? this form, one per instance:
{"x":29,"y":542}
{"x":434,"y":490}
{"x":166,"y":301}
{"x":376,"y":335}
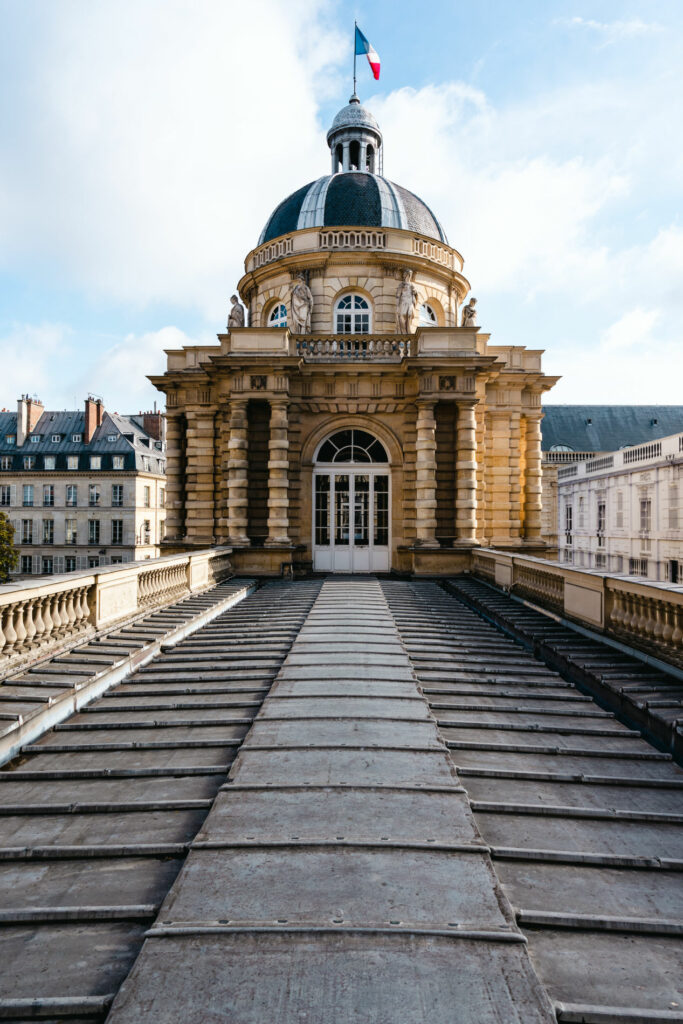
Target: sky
{"x":143,"y":144}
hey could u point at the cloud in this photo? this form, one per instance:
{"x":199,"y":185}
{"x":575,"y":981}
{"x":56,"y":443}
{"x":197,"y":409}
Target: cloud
{"x":27,"y":352}
{"x":612,"y":31}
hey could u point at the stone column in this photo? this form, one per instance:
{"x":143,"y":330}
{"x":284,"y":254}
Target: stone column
{"x":175,"y":475}
{"x":278,"y":475}
{"x":533,"y":481}
{"x":466,"y":474}
{"x":345,"y":155}
{"x":199,"y":496}
{"x":237,"y":473}
{"x":425,"y":503}
{"x":363,"y":158}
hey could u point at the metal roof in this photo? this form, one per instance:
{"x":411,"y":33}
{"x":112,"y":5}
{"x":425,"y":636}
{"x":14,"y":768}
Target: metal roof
{"x":606,"y":428}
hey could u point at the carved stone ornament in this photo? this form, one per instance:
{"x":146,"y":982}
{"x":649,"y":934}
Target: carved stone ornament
{"x":236,"y":315}
{"x":258,"y":382}
{"x":301,"y":306}
{"x":469,"y":314}
{"x":406,"y":298}
{"x":446,"y":383}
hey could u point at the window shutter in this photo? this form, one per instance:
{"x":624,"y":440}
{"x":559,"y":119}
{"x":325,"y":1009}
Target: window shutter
{"x":59,"y":564}
{"x":37,"y":567}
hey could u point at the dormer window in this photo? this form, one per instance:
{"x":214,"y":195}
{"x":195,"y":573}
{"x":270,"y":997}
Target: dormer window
{"x":112,"y":438}
{"x":428,"y":317}
{"x":56,"y":438}
{"x":77,"y":438}
{"x":35,"y":438}
{"x":10,"y":439}
{"x":352,"y":315}
{"x":278,"y":316}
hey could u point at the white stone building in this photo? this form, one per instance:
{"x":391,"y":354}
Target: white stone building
{"x":82,"y":489}
{"x":621,"y":512}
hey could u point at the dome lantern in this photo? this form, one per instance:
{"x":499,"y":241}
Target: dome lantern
{"x":355,"y":140}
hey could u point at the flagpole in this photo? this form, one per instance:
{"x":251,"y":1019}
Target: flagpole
{"x":355,"y":26}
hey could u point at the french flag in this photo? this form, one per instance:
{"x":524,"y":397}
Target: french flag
{"x":363,"y":46}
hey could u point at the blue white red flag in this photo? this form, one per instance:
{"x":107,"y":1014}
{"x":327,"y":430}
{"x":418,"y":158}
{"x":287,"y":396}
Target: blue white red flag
{"x":363,"y":46}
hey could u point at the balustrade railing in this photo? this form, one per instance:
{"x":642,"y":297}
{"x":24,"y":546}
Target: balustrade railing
{"x":42,"y":616}
{"x":643,"y":614}
{"x":356,"y":347}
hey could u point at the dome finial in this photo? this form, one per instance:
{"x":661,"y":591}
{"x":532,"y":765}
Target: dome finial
{"x":355,"y":140}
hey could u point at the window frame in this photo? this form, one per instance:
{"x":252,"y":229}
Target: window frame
{"x":276,"y":317}
{"x":359,"y":307}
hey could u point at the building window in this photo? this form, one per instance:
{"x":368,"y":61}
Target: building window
{"x":47,"y":565}
{"x":428,"y":317}
{"x":581,"y":513}
{"x":145,"y":497}
{"x":162,"y":529}
{"x":72,"y":462}
{"x":568,"y":523}
{"x":112,"y":438}
{"x":118,"y":462}
{"x":27,"y":565}
{"x":48,"y":531}
{"x":5,"y":461}
{"x":93,"y":562}
{"x":48,"y":495}
{"x":145,"y":464}
{"x":568,"y":555}
{"x":27,"y":531}
{"x":146,"y":532}
{"x":93,"y":495}
{"x":278,"y":316}
{"x":29,"y":462}
{"x":10,"y":439}
{"x":70,"y":531}
{"x":352,"y":315}
{"x":620,"y":510}
{"x":77,"y":438}
{"x":94,"y":531}
{"x":162,"y":497}
{"x":27,"y":497}
{"x":602,"y":516}
{"x":71,"y":495}
{"x":56,"y":438}
{"x":637,"y":566}
{"x":35,"y":438}
{"x":352,"y":446}
{"x":70,"y":563}
{"x":5,"y":495}
{"x":117,"y":559}
{"x":117,"y":495}
{"x":49,"y":462}
{"x":600,"y":560}
{"x":645,"y":515}
{"x":96,"y":462}
{"x":673,"y":506}
{"x":117,"y":531}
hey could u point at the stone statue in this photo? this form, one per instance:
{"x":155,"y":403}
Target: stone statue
{"x":301,"y":306}
{"x":469,"y":314}
{"x":406,"y":297}
{"x":236,"y":315}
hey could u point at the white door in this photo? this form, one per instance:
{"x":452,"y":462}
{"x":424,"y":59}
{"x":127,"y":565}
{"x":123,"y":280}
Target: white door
{"x":351,"y":519}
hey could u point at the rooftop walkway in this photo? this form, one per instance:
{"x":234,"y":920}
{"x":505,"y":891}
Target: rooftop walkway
{"x":423,"y":823}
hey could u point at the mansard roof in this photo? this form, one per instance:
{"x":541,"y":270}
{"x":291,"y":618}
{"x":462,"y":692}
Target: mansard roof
{"x":606,"y":428}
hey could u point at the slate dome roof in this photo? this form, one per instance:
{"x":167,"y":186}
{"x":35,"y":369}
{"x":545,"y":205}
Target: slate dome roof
{"x":352,"y":199}
{"x":353,"y":115}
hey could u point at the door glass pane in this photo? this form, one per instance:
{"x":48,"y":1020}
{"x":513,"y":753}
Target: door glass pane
{"x":360,"y":510}
{"x":322,"y":509}
{"x":341,"y":509}
{"x":381,"y":523}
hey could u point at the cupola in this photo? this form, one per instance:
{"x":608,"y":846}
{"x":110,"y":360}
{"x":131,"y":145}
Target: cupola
{"x":355,"y":140}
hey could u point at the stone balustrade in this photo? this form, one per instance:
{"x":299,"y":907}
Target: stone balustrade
{"x":43,"y":615}
{"x":642,"y":614}
{"x":353,"y":347}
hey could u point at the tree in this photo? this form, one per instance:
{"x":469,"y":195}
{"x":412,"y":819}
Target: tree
{"x":9,"y":556}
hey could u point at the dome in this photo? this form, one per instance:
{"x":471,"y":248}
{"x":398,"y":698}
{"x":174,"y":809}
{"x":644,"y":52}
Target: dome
{"x":352,"y":199}
{"x":353,"y":115}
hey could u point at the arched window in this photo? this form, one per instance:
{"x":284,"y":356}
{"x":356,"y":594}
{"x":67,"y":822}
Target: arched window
{"x":370,"y":159}
{"x":339,"y":158}
{"x":428,"y":317}
{"x":561,"y":448}
{"x":352,"y":315}
{"x":354,"y":156}
{"x":352,"y":446}
{"x":278,"y":316}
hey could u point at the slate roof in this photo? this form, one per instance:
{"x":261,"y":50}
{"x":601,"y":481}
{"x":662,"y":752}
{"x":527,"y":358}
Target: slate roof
{"x":607,"y":428}
{"x":131,"y":441}
{"x":352,"y":199}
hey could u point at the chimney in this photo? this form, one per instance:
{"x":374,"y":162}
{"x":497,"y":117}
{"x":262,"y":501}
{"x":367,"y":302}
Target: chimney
{"x":29,"y":411}
{"x":94,"y":410}
{"x":152,"y":424}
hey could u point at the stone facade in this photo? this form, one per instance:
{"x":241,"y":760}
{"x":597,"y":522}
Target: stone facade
{"x":458,"y":419}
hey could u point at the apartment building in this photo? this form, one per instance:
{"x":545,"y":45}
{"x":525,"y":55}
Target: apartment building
{"x":82,"y":488}
{"x":621,"y":512}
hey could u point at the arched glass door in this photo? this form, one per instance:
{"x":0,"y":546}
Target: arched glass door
{"x":351,"y":504}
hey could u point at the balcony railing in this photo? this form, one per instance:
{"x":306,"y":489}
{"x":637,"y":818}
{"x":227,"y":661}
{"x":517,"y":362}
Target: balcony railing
{"x":354,"y":348}
{"x":643,"y":614}
{"x":38,"y":618}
